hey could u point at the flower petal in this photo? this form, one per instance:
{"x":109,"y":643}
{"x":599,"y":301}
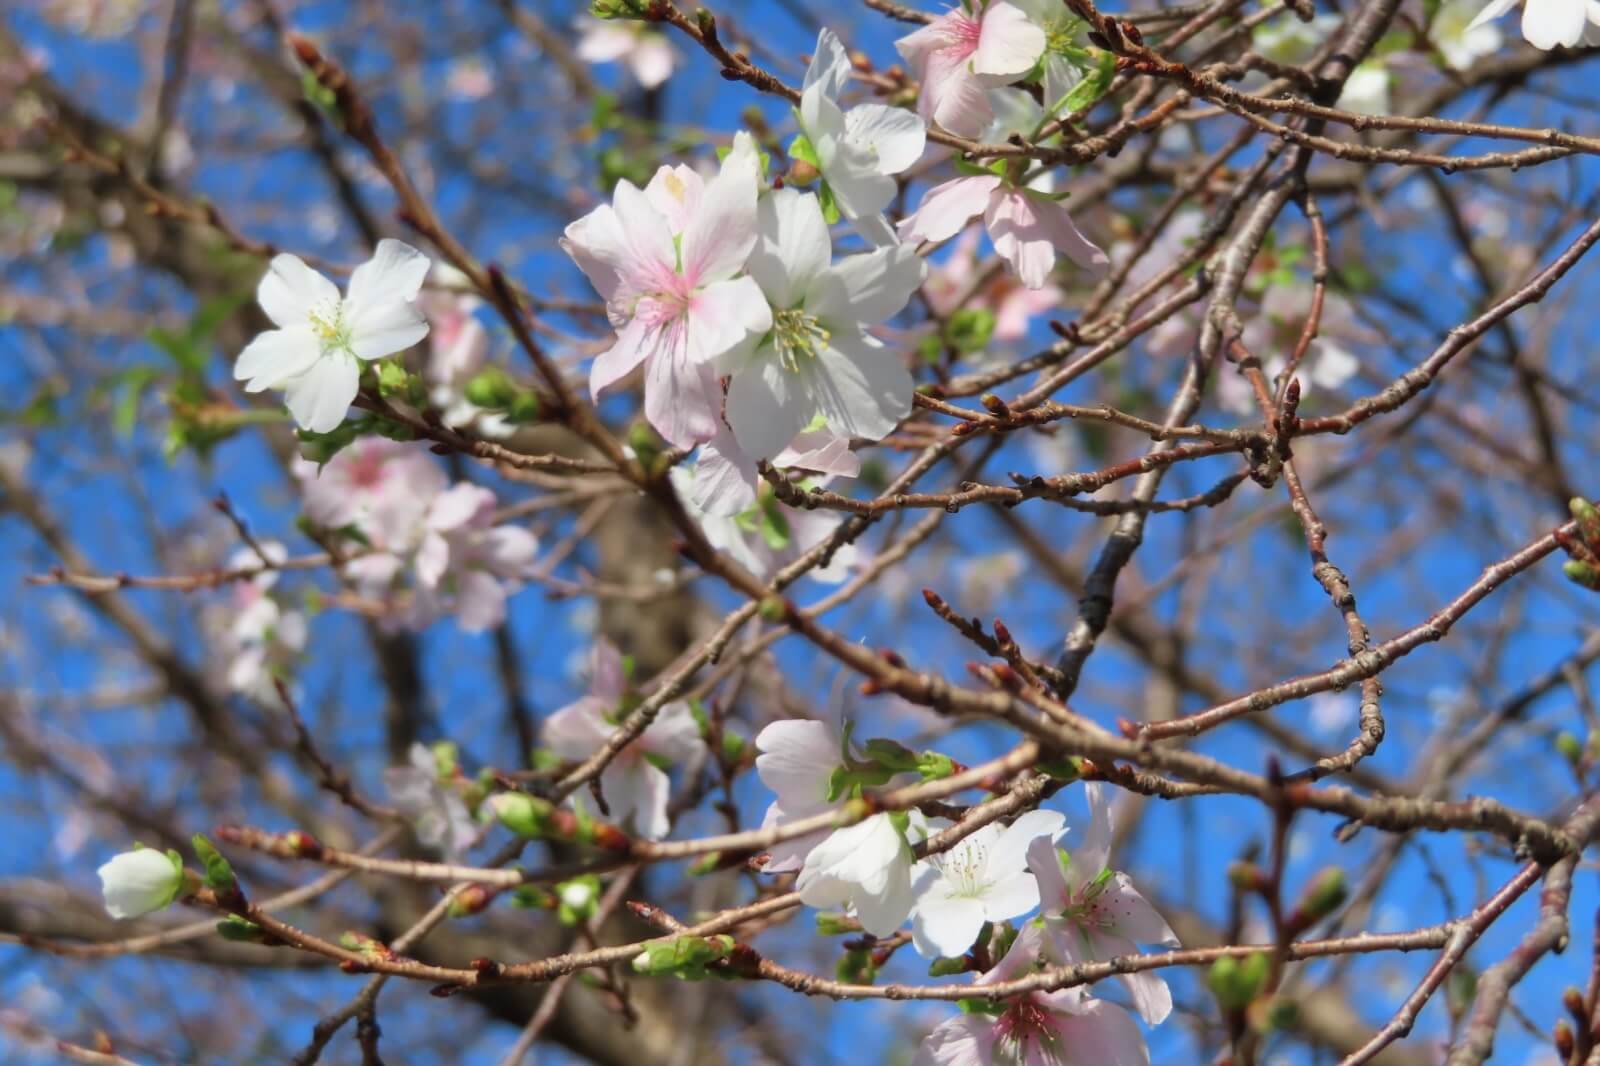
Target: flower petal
{"x":1008,"y":44}
{"x":895,"y":137}
{"x":945,"y":926}
{"x":290,"y":291}
{"x":275,"y":356}
{"x":681,"y":399}
{"x":766,"y":407}
{"x":380,"y":329}
{"x":394,"y":273}
{"x":793,"y":247}
{"x":1549,"y":23}
{"x":830,"y":64}
{"x":869,"y":288}
{"x":861,"y":387}
{"x":722,"y":230}
{"x":320,"y":396}
{"x":1010,"y":850}
{"x":946,"y":208}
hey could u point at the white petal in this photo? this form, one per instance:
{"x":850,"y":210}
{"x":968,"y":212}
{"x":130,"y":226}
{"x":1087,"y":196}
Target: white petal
{"x":945,"y":925}
{"x":652,"y":60}
{"x":797,"y":758}
{"x":380,"y":329}
{"x":276,"y":355}
{"x":954,"y":97}
{"x":965,"y":1040}
{"x":1549,"y":23}
{"x":290,"y":291}
{"x":725,"y":478}
{"x":868,"y":288}
{"x":1020,"y":237}
{"x":676,"y":192}
{"x":1132,"y":915}
{"x":895,"y":136}
{"x":394,"y":273}
{"x":320,"y":396}
{"x":722,"y":230}
{"x":884,"y":911}
{"x":1093,"y":854}
{"x":860,"y":387}
{"x":1010,"y":851}
{"x":830,"y":64}
{"x":1008,"y":44}
{"x":1045,"y":866}
{"x":1010,"y":897}
{"x":766,"y":407}
{"x":793,"y":247}
{"x":577,"y":730}
{"x":681,"y":398}
{"x":721,"y":316}
{"x":635,"y":343}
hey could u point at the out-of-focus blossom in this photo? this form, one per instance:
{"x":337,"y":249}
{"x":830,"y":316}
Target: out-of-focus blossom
{"x":468,"y":561}
{"x":458,"y":346}
{"x":260,"y":638}
{"x":635,"y":788}
{"x":1066,"y":1027}
{"x":797,"y":762}
{"x":646,"y":53}
{"x":315,"y":353}
{"x":95,"y":18}
{"x":434,"y":807}
{"x":1014,"y":306}
{"x":1272,"y":333}
{"x":1460,"y":38}
{"x":727,"y":482}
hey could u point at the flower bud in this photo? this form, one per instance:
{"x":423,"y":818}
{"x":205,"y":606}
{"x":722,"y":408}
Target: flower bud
{"x":140,"y":881}
{"x":1237,"y":982}
{"x":1324,"y":895}
{"x":579,"y":899}
{"x":1570,"y":747}
{"x":830,"y":923}
{"x":1269,"y":1015}
{"x":801,"y":174}
{"x":684,"y":957}
{"x":1588,"y":519}
{"x":1564,"y":1040}
{"x":521,"y":813}
{"x":1582,"y":573}
{"x":491,"y":389}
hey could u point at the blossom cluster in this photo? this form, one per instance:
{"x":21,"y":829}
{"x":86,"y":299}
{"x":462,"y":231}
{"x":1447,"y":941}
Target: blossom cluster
{"x":421,"y":547}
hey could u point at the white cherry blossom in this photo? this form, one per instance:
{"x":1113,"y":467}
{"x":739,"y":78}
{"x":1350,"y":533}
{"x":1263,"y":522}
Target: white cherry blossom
{"x":857,"y":151}
{"x":962,"y":54}
{"x":983,"y":878}
{"x":768,"y":535}
{"x":315,"y":354}
{"x":436,"y":811}
{"x":818,"y":357}
{"x":470,"y":561}
{"x":797,"y":762}
{"x":865,"y":868}
{"x":1548,"y":24}
{"x":646,"y":53}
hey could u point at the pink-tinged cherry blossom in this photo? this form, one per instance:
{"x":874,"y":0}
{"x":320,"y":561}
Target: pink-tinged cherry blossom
{"x":857,"y":152}
{"x":1066,"y":1027}
{"x":1027,"y":227}
{"x":818,"y":357}
{"x":866,"y":869}
{"x":1274,"y":331}
{"x":635,"y":788}
{"x":961,"y":55}
{"x":668,"y":260}
{"x":983,"y":878}
{"x":315,"y":354}
{"x":1089,"y":912}
{"x":458,"y":348}
{"x":468,"y":561}
{"x":258,"y":637}
{"x":438,"y":815}
{"x":956,"y":283}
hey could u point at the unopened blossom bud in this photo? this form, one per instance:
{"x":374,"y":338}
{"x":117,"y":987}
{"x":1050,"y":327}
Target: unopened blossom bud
{"x":470,"y":900}
{"x":1582,"y":573}
{"x":521,"y":813}
{"x":935,"y":766}
{"x":579,"y":899}
{"x":1237,"y":982}
{"x":140,"y":881}
{"x":1570,"y":747}
{"x":1273,"y":1014}
{"x":856,"y":968}
{"x":1246,"y":876}
{"x":1564,"y":1040}
{"x":1572,"y":999}
{"x":684,"y":957}
{"x":1324,"y":895}
{"x":801,"y":174}
{"x":492,"y":388}
{"x":1588,"y":519}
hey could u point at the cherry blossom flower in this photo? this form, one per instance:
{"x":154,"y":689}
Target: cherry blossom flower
{"x":666,"y":260}
{"x":646,"y":53}
{"x":1460,"y":38}
{"x":437,"y":813}
{"x":1548,"y":24}
{"x":1065,"y":35}
{"x":818,"y":357}
{"x":1014,"y":306}
{"x":315,"y":353}
{"x":984,"y":878}
{"x":260,"y":639}
{"x":467,"y":559}
{"x":856,"y":151}
{"x":769,"y":535}
{"x":727,"y":482}
{"x":140,"y":881}
{"x":1088,"y":912}
{"x":865,"y":868}
{"x":1066,"y":1027}
{"x":381,"y":487}
{"x":958,"y":57}
{"x":1027,"y":227}
{"x":797,"y":762}
{"x":635,"y":788}
{"x":458,"y":346}
{"x":1366,"y":91}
